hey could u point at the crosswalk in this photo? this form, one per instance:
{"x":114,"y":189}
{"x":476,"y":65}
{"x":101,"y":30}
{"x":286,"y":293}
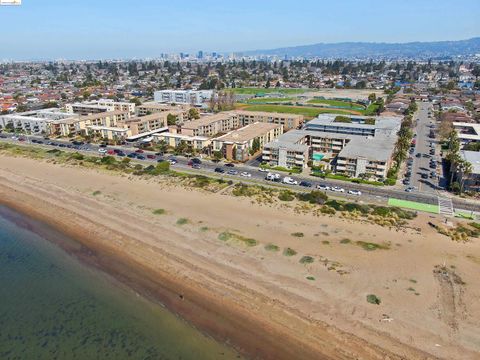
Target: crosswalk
{"x":446,"y":206}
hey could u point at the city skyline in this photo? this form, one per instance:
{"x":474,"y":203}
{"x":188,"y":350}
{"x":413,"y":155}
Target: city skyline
{"x":53,"y":29}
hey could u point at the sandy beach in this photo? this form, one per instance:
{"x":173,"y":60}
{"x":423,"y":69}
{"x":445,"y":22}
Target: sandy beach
{"x":267,"y":305}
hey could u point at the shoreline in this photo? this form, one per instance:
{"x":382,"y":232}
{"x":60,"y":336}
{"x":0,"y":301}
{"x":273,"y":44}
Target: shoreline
{"x":256,"y":301}
{"x":201,"y":310}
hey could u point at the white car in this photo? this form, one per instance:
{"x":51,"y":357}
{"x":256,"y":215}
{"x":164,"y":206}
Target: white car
{"x":102,"y":150}
{"x":262,"y":169}
{"x":289,"y":181}
{"x":337,"y":189}
{"x":355,"y":192}
{"x":273,"y":177}
{"x":172,"y":162}
{"x":245,"y":174}
{"x":323,"y":187}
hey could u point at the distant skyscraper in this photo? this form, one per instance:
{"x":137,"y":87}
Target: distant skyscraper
{"x":214,"y":54}
{"x":200,"y":54}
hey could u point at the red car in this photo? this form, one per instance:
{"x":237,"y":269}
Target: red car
{"x":111,"y":152}
{"x":139,"y":151}
{"x":151,"y":156}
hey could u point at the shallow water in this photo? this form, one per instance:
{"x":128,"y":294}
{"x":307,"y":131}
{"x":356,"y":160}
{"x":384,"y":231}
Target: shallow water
{"x":54,"y":307}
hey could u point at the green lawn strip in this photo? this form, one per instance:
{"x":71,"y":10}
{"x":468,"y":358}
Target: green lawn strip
{"x":269,"y":100}
{"x":301,"y":110}
{"x":435,"y":209}
{"x":337,"y":103}
{"x":464,"y":215}
{"x":253,"y":91}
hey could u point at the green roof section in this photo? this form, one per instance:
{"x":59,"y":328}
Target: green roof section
{"x":413,"y":205}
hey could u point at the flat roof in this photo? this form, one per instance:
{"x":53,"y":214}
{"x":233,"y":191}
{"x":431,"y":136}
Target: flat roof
{"x":248,"y":132}
{"x":377,"y":148}
{"x":98,"y":127}
{"x":207,"y":120}
{"x":389,"y":123}
{"x":473,"y":157}
{"x":104,"y":115}
{"x":181,"y":136}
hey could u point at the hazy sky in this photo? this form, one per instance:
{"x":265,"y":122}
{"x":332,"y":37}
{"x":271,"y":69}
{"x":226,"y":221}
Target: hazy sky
{"x":88,"y":29}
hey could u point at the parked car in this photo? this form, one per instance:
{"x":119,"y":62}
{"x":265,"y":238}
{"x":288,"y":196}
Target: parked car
{"x":433,"y":174}
{"x":196,"y":166}
{"x":424,"y":176}
{"x":132,"y":155}
{"x":139,"y":151}
{"x":101,"y":150}
{"x":305,"y":184}
{"x":409,"y":189}
{"x":273,"y":177}
{"x":229,"y":165}
{"x":418,"y":155}
{"x":172,"y":161}
{"x":288,"y":180}
{"x":323,"y":187}
{"x":122,"y":154}
{"x":196,"y":161}
{"x":150,"y":156}
{"x":141,"y":157}
{"x":245,"y":174}
{"x":262,"y":169}
{"x":232,"y":172}
{"x":337,"y":189}
{"x":219,"y":170}
{"x":355,"y":192}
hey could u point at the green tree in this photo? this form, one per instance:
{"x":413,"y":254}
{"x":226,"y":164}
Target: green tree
{"x":193,"y":114}
{"x":171,"y":119}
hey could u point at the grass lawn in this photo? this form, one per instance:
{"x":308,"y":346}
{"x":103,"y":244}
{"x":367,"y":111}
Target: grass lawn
{"x":352,"y":105}
{"x":464,"y":215}
{"x":309,"y":112}
{"x":252,"y":91}
{"x":414,"y":205}
{"x":267,"y":100}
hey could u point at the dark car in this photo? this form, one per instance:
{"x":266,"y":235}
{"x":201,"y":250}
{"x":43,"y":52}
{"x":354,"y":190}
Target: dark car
{"x":219,"y":170}
{"x":418,"y":155}
{"x":230,"y":165}
{"x":424,"y":176}
{"x":196,"y":161}
{"x":159,"y":153}
{"x":139,"y":151}
{"x":132,"y":155}
{"x":160,"y":160}
{"x":103,"y":145}
{"x":141,"y":157}
{"x":120,"y":154}
{"x":305,"y":184}
{"x":196,"y":166}
{"x":151,"y":156}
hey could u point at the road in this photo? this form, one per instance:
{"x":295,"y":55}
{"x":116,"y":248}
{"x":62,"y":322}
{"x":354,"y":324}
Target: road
{"x":422,"y":155}
{"x":369,"y":192}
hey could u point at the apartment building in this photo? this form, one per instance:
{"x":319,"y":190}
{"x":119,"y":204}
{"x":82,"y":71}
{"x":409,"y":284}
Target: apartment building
{"x":192,"y":97}
{"x":471,"y":180}
{"x":153,"y":107}
{"x":80,"y":125}
{"x":288,"y":121}
{"x":243,"y":143}
{"x":99,"y":106}
{"x":36,"y":122}
{"x":208,"y":125}
{"x":173,"y":140}
{"x":147,"y":124}
{"x":345,"y":148}
{"x":467,"y":132}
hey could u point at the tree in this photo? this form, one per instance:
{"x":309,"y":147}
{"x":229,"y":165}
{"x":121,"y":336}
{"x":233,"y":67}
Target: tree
{"x":193,"y":114}
{"x":136,"y":101}
{"x":217,"y":155}
{"x":267,"y":85}
{"x":171,"y":119}
{"x":372,"y":97}
{"x":465,"y":168}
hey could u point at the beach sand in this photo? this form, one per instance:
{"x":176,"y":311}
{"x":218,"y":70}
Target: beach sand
{"x":261,"y":301}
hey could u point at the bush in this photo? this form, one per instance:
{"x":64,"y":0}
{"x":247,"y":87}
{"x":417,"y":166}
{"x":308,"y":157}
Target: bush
{"x":306,"y":260}
{"x":337,"y":205}
{"x":271,"y":247}
{"x":159,"y":211}
{"x":182,"y":221}
{"x":345,"y":241}
{"x":381,"y":211}
{"x":310,"y":278}
{"x":313,"y":197}
{"x":327,"y":210}
{"x":298,"y":234}
{"x":390,"y":181}
{"x":364,"y":209}
{"x":289,"y":252}
{"x":108,"y":160}
{"x":224,"y":236}
{"x":373,"y":299}
{"x":286,"y":195}
{"x":371,"y":246}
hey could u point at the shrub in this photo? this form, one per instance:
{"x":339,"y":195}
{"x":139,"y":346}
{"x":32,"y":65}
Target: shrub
{"x":364,"y":209}
{"x":345,"y":241}
{"x":286,"y":195}
{"x":381,"y":211}
{"x":313,"y":197}
{"x":289,"y":252}
{"x":108,"y":160}
{"x":325,"y":242}
{"x":158,"y":211}
{"x":327,"y":210}
{"x":310,"y":278}
{"x":182,"y":221}
{"x":224,"y":236}
{"x":77,"y":156}
{"x":342,"y":119}
{"x":297,"y":234}
{"x":271,"y":247}
{"x":97,"y":192}
{"x":390,"y":181}
{"x":372,"y":246}
{"x":306,"y":260}
{"x":337,"y":205}
{"x":373,"y":299}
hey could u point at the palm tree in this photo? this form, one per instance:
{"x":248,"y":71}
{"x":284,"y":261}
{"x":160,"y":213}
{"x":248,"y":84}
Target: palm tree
{"x":465,"y":169}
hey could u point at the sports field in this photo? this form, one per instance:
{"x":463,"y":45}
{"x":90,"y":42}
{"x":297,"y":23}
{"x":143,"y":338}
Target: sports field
{"x":309,"y":112}
{"x":414,"y":205}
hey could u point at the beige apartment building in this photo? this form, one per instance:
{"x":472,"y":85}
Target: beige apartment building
{"x":153,"y":107}
{"x":289,"y":121}
{"x":208,"y":125}
{"x":243,"y":143}
{"x":79,"y":125}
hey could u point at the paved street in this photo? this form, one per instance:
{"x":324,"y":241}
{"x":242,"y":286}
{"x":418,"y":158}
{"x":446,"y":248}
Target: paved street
{"x":369,"y":192}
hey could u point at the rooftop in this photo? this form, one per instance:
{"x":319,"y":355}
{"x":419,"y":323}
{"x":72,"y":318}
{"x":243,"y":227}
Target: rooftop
{"x":473,"y":157}
{"x":370,"y":148}
{"x":248,"y":132}
{"x":207,"y":120}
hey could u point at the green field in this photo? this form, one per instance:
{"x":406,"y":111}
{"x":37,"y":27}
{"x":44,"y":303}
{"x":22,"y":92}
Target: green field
{"x":267,"y":100}
{"x":352,"y":105}
{"x":309,"y":112}
{"x":253,"y":91}
{"x":414,"y":205}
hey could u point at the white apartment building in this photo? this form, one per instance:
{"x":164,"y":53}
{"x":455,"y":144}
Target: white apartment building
{"x":99,"y":106}
{"x":35,"y":122}
{"x":193,"y":97}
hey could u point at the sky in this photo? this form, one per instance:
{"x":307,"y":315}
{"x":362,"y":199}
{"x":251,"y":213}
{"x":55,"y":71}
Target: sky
{"x":107,"y":29}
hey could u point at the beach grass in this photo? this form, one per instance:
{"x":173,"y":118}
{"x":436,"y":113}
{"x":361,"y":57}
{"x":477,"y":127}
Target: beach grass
{"x":182,"y":221}
{"x":306,"y":260}
{"x":97,"y":192}
{"x":373,"y":299}
{"x":272,"y":247}
{"x":159,"y":211}
{"x":311,"y":278}
{"x":372,"y":246}
{"x":298,"y":234}
{"x":289,"y":252}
